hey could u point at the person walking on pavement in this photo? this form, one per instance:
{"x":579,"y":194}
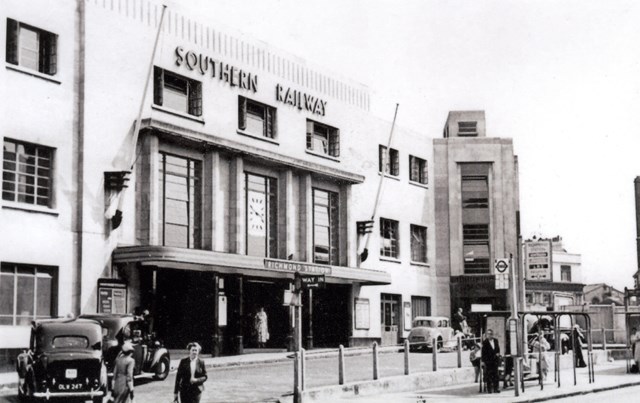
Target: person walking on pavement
{"x":191,"y":376}
{"x":578,"y":340}
{"x":261,"y":328}
{"x":491,"y":361}
{"x":474,"y":357}
{"x":540,"y":346}
{"x":123,"y":375}
{"x":459,"y":321}
{"x":636,"y":347}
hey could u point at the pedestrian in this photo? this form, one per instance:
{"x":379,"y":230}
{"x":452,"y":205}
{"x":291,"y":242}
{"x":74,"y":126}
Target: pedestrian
{"x":191,"y":376}
{"x":578,"y":341}
{"x":122,"y":390}
{"x":540,"y":346}
{"x":636,"y":348}
{"x":474,"y":357}
{"x":491,"y":361}
{"x":261,"y":328}
{"x":459,"y":321}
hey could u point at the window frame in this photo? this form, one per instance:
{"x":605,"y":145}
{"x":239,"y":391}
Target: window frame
{"x":565,"y":269}
{"x":269,"y":118}
{"x":421,"y":170}
{"x":332,"y":147}
{"x":414,"y":251}
{"x":193,"y":92}
{"x":47,"y":44}
{"x":271,"y":214}
{"x":391,"y":227}
{"x":388,"y":161}
{"x":38,"y":271}
{"x":468,"y":128}
{"x":37,"y":178}
{"x":333,"y":215}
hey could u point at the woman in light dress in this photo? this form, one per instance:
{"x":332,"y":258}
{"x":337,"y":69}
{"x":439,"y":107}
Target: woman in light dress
{"x":540,"y":345}
{"x":261,"y":327}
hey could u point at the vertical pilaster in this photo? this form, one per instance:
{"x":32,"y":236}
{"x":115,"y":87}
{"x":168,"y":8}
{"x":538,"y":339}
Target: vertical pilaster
{"x":347,"y":256}
{"x":237,"y":207}
{"x":288,"y":209}
{"x":148,"y":192}
{"x":306,"y":218}
{"x":212,"y":231}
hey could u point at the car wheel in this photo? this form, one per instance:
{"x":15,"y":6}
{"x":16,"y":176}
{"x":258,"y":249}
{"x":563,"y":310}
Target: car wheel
{"x":162,"y":368}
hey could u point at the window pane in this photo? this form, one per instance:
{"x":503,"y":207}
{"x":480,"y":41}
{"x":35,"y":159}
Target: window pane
{"x":6,"y":294}
{"x":24,"y":306}
{"x":255,"y":124}
{"x":44,"y":285}
{"x":175,"y":98}
{"x":29,"y":48}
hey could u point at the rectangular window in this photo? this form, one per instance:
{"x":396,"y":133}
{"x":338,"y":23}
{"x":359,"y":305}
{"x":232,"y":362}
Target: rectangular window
{"x":262,"y":215}
{"x":389,"y":246}
{"x":388,"y":162}
{"x":475,"y":218}
{"x":31,"y":47}
{"x":26,"y":173}
{"x":467,"y":129}
{"x":326,"y":234}
{"x":177,"y":92}
{"x":180,"y":202}
{"x":418,"y":244}
{"x":256,"y":118}
{"x":565,"y":273}
{"x":418,"y":170}
{"x":420,"y":306}
{"x":323,"y":139}
{"x":26,"y":293}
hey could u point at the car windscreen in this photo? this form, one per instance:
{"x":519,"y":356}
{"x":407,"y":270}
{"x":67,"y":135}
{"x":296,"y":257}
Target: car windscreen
{"x":423,"y":323}
{"x":70,"y":342}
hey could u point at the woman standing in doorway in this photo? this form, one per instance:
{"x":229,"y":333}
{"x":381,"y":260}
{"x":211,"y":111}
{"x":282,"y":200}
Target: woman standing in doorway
{"x":261,"y":327}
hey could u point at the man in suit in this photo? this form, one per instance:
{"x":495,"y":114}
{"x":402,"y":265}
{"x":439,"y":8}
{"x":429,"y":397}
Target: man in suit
{"x":191,"y":376}
{"x":491,"y":360}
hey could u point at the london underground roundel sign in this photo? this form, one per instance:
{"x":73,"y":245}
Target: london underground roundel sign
{"x":502,"y":265}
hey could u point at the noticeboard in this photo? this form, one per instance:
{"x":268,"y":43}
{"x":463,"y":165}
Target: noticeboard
{"x":537,"y":260}
{"x":112,"y":296}
{"x":407,"y":315}
{"x":361,"y":307}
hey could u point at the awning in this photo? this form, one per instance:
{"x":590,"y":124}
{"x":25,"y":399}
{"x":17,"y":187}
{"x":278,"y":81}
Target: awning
{"x":231,"y":263}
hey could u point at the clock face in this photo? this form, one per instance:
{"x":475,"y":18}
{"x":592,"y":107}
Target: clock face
{"x":256,"y":213}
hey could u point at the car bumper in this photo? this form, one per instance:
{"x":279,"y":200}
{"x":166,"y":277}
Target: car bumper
{"x":48,"y":394}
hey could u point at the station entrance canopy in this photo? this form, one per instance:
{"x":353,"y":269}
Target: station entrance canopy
{"x":228,"y":263}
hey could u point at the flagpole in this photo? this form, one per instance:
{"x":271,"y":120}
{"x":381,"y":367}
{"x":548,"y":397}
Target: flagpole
{"x":365,"y":251}
{"x":117,"y":217}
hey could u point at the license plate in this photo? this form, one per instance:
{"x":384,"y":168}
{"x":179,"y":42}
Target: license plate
{"x":71,"y":373}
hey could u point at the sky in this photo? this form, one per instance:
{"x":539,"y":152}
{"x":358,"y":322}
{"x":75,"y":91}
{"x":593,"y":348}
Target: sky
{"x":562,"y":78}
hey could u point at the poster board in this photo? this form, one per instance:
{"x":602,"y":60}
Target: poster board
{"x":112,"y":296}
{"x":222,"y":310}
{"x":407,"y":315}
{"x":361,"y":308}
{"x":538,"y":260}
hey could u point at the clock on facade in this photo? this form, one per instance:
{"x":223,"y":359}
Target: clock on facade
{"x":256,"y":210}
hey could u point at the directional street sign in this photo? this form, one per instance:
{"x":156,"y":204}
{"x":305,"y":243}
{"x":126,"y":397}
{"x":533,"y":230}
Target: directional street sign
{"x":302,"y":282}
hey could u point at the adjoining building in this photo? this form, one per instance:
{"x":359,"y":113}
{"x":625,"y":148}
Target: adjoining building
{"x":251,"y":165}
{"x":563,"y":286}
{"x":476,"y":210}
{"x":603,"y":294}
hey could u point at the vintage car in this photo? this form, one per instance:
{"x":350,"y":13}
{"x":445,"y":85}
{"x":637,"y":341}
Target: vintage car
{"x":150,"y":355}
{"x":64,"y":360}
{"x":427,"y":328}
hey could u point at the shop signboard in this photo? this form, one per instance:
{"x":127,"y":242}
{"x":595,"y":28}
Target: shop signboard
{"x":112,"y":296}
{"x":538,"y":261}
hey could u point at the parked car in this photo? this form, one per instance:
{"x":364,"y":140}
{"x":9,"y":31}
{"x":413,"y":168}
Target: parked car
{"x":425,"y":329}
{"x":149,"y":353}
{"x":64,"y":360}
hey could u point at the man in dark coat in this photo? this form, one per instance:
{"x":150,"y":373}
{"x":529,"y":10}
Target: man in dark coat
{"x":191,"y":376}
{"x":491,"y":361}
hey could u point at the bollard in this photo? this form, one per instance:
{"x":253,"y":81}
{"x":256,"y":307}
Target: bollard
{"x":604,"y":339}
{"x":302,"y":368}
{"x":406,"y":356}
{"x":434,"y":355}
{"x":341,"y":365}
{"x":296,"y":380}
{"x":375,"y":361}
{"x":459,"y":352}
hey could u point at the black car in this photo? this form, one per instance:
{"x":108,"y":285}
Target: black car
{"x":150,"y":355}
{"x":64,"y":360}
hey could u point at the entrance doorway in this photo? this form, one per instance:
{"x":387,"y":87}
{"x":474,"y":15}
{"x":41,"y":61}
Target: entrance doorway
{"x":268,"y":295}
{"x":390,"y":318}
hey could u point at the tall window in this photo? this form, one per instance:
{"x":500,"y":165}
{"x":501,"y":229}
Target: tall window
{"x":389,"y":246}
{"x":180,"y":201}
{"x":326,"y":238}
{"x":177,"y":92}
{"x":26,"y":174}
{"x":323,"y":139}
{"x":256,"y":118}
{"x":31,"y":47}
{"x":467,"y":129}
{"x":27,"y":293}
{"x":418,"y":244}
{"x":420,"y":306}
{"x":565,"y":273}
{"x":475,"y":218}
{"x":262,"y":215}
{"x":388,"y":162}
{"x":418,"y":170}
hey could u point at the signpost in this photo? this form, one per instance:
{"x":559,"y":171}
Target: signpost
{"x":501,"y":267}
{"x":538,"y":260}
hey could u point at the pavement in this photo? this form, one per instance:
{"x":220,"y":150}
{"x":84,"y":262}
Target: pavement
{"x":608,"y":376}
